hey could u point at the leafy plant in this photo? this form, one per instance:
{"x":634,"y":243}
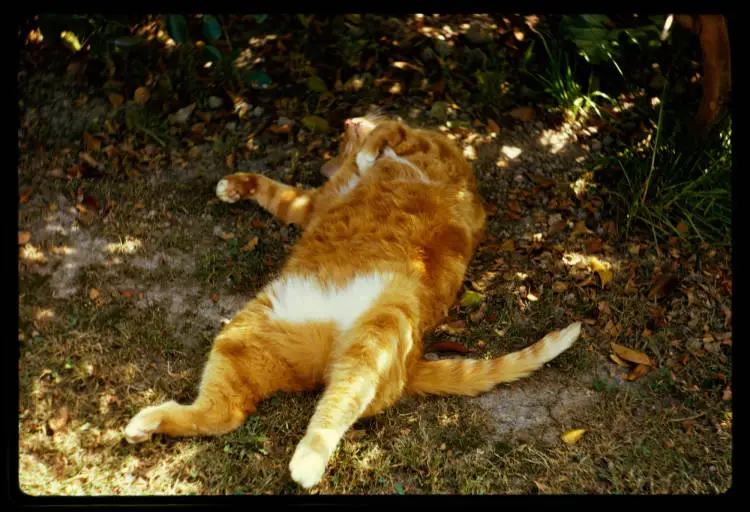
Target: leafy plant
{"x":598,"y":39}
{"x":560,"y":82}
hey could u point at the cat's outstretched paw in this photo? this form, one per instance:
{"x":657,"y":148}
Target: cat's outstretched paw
{"x":237,"y":186}
{"x":365,"y":160}
{"x":145,"y":423}
{"x":307,"y":465}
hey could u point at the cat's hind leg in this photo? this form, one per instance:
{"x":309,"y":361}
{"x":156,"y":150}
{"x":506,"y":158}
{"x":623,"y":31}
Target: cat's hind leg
{"x":363,"y":379}
{"x":222,"y":405}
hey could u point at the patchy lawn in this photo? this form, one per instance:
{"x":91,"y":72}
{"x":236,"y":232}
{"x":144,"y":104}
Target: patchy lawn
{"x":128,"y":268}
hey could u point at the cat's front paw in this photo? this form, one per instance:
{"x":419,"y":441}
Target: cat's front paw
{"x":307,"y":465}
{"x":237,"y":186}
{"x":145,"y":423}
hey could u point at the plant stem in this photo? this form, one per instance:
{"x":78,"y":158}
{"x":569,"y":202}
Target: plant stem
{"x":656,"y":142}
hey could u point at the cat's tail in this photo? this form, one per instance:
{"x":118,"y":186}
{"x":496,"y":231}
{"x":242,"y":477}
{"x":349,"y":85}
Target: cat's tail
{"x":474,"y":376}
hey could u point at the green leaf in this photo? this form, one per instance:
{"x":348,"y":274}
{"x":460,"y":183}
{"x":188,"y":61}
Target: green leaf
{"x":258,"y":79}
{"x":471,"y":299}
{"x":211,"y":28}
{"x":213,"y":53}
{"x":315,"y":124}
{"x":399,"y":489}
{"x":315,"y":83}
{"x":260,"y":18}
{"x":304,"y":20}
{"x":177,"y":28}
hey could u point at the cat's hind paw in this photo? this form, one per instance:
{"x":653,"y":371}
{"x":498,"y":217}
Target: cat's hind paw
{"x":307,"y":466}
{"x":145,"y":423}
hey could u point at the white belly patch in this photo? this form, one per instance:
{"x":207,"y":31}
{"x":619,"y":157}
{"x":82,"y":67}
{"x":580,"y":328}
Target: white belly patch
{"x":301,"y":299}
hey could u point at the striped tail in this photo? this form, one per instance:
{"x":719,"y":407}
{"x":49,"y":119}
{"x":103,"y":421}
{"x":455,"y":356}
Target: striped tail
{"x":288,"y":204}
{"x":474,"y":376}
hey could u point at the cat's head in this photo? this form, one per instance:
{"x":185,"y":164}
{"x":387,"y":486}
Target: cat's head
{"x":356,"y":130}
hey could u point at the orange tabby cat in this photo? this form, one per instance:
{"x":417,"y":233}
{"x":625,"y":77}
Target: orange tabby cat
{"x":386,"y":243}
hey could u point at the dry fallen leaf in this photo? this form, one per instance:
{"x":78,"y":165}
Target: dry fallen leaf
{"x":90,"y":142}
{"x":619,"y":361}
{"x":508,"y":246}
{"x":60,"y":419}
{"x":94,"y":294}
{"x":116,"y":99}
{"x":23,"y":237}
{"x":572,"y":436}
{"x":214,"y":297}
{"x":559,"y":286}
{"x":141,"y":95}
{"x":665,"y":285}
{"x":580,"y":229}
{"x":493,"y":126}
{"x":628,"y":354}
{"x":447,"y":346}
{"x":24,"y":197}
{"x":601,"y":268}
{"x":522,"y":113}
{"x":638,"y":372}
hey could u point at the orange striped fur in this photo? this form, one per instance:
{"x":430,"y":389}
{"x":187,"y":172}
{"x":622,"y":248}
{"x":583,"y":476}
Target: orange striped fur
{"x":385,"y":246}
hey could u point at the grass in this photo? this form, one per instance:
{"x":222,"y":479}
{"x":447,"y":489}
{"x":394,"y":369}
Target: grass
{"x":675,"y":189}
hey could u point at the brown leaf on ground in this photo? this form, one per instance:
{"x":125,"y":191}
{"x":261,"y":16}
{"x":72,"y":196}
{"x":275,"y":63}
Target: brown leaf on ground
{"x":540,"y":180}
{"x":23,"y":237}
{"x":94,"y":294}
{"x":558,"y":226}
{"x":628,"y":354}
{"x":90,"y":142}
{"x":493,"y":126}
{"x":559,"y":286}
{"x":522,"y":113}
{"x":638,"y":372}
{"x":214,"y":297}
{"x":514,"y":207}
{"x":116,"y":99}
{"x":280,"y":128}
{"x":580,"y":229}
{"x":595,"y":245}
{"x":88,"y":159}
{"x":141,"y":95}
{"x":619,"y":361}
{"x":447,"y":346}
{"x":24,"y":196}
{"x":508,"y":246}
{"x":665,"y":285}
{"x":727,"y":395}
{"x":454,"y":327}
{"x":479,"y":314}
{"x":59,"y":420}
{"x":630,"y":287}
{"x":126,"y":293}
